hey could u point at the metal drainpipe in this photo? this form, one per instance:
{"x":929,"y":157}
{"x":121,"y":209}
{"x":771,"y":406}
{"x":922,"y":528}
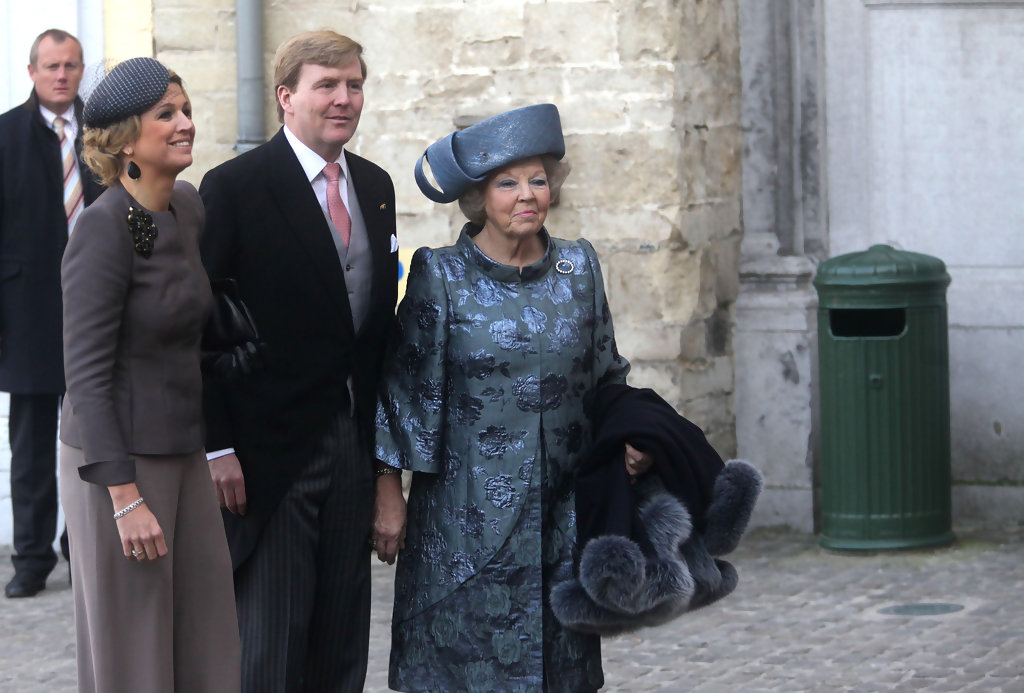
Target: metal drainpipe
{"x":249,"y":35}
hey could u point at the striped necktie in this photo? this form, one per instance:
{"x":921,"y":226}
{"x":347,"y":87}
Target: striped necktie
{"x":73,"y":199}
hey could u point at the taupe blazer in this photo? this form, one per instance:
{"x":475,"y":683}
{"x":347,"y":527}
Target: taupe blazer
{"x":132,"y":329}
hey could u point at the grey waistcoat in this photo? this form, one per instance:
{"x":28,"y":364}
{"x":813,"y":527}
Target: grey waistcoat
{"x":356,"y":260}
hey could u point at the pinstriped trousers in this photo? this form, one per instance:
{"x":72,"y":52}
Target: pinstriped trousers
{"x":303,"y":596}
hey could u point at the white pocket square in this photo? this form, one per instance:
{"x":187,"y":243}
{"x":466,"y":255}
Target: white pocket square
{"x":394,"y":243}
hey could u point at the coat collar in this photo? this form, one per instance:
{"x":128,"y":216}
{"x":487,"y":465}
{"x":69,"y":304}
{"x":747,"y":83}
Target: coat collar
{"x":506,"y":273}
{"x":32,"y":105}
{"x":49,"y":144}
{"x":311,"y":162}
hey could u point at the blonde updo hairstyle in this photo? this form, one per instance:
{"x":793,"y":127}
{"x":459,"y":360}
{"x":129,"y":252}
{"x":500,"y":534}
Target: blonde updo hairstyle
{"x":471,"y":202}
{"x":102,"y":148}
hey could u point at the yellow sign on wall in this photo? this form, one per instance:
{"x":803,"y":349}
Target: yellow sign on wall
{"x":404,"y":260}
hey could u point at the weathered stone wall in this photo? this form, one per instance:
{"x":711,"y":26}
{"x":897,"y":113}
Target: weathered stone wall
{"x":649,"y":96}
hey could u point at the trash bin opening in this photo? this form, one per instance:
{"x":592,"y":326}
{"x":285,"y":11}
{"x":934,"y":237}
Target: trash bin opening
{"x":867,"y":322}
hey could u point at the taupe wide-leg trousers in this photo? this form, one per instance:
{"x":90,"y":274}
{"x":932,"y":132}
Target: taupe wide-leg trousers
{"x":156,"y":626}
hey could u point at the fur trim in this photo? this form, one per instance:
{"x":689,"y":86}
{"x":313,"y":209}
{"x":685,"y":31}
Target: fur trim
{"x":667,"y":523}
{"x":620,"y":589}
{"x":736,"y":490}
{"x":612,"y":572}
{"x":576,"y":610}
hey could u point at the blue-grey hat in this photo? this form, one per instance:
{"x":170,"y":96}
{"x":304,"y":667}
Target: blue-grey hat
{"x":465,"y":157}
{"x":131,"y":88}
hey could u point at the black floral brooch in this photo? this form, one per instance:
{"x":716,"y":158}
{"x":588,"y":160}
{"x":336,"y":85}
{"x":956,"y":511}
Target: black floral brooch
{"x":143,"y":231}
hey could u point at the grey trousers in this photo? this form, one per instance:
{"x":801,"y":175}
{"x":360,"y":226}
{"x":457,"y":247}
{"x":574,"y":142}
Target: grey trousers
{"x":304,"y":594}
{"x":156,"y":626}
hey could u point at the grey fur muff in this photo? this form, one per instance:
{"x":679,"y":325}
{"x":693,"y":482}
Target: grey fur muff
{"x":619,"y":589}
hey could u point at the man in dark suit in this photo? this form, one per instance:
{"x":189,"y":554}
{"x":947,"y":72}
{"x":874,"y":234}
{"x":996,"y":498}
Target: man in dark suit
{"x":43,"y":189}
{"x":307,"y":230}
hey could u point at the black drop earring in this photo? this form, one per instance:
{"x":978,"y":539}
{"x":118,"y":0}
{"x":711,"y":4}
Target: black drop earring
{"x":133,"y":171}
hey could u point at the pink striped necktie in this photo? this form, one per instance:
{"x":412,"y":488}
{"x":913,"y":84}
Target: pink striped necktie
{"x":73,"y":198}
{"x":335,"y":206}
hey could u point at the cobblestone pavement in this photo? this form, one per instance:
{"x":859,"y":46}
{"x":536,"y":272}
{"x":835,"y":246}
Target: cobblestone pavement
{"x":802,"y":619}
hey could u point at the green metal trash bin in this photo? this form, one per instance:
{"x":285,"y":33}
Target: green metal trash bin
{"x":884,"y":400}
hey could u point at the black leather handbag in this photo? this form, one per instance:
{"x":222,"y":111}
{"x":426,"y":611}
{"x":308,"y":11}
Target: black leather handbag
{"x":231,"y":343}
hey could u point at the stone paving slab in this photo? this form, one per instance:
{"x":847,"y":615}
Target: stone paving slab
{"x":802,"y":619}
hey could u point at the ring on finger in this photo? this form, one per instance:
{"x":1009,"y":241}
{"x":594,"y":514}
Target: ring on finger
{"x":137,"y":553}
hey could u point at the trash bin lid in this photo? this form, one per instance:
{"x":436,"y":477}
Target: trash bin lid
{"x":882,"y":275}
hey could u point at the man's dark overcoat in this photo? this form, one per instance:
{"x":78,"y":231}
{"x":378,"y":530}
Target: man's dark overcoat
{"x":33,"y":234}
{"x":265,"y":228}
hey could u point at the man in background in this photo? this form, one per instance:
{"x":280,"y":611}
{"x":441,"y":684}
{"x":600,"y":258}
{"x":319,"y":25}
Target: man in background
{"x":43,"y":189}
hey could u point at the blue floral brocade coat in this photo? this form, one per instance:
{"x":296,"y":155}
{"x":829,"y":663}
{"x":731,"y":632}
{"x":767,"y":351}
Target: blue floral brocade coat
{"x":484,"y":396}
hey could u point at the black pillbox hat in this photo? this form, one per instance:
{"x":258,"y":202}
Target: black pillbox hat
{"x":131,"y":88}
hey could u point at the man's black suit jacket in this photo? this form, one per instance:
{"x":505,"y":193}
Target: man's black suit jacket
{"x":265,"y":229}
{"x":33,"y":234}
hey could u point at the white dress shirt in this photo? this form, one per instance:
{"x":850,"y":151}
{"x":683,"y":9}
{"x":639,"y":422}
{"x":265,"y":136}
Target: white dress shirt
{"x":313,"y":166}
{"x":70,"y":124}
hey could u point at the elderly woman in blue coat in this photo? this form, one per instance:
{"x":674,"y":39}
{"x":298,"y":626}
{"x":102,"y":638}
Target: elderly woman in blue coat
{"x":500,"y":344}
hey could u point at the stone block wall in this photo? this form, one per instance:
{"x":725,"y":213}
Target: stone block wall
{"x":649,"y":96}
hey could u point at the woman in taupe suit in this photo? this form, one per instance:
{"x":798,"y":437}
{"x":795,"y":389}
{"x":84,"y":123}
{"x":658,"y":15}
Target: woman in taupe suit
{"x":154,"y":603}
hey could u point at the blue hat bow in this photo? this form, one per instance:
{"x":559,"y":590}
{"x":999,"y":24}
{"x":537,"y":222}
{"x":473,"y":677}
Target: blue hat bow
{"x":465,"y":157}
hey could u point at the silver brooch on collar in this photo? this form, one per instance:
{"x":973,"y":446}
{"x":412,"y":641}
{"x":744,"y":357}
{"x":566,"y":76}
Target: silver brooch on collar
{"x":565,"y":267}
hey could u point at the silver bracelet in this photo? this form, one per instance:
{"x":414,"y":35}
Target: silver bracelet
{"x":385,"y":469}
{"x":128,"y":508}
